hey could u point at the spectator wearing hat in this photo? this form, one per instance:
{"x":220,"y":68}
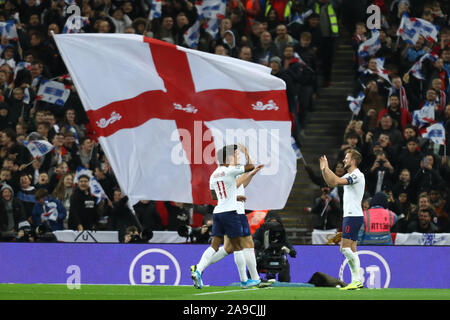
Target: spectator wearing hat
{"x":12,"y":211}
{"x":378,"y":222}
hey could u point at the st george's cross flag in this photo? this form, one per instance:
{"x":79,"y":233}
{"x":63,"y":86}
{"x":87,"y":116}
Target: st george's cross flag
{"x":162,"y":111}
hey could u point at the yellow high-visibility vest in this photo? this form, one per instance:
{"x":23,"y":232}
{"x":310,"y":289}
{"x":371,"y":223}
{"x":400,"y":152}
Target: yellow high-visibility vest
{"x":333,"y":18}
{"x":287,"y":9}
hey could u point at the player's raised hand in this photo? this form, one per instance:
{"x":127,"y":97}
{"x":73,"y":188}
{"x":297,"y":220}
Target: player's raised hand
{"x":241,"y":198}
{"x":323,"y":162}
{"x":257,"y":168}
{"x":242,"y":148}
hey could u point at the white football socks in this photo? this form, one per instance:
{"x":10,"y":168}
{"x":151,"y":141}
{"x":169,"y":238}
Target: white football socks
{"x":204,"y":260}
{"x":353,"y":263}
{"x":250,"y":261}
{"x":239,"y":259}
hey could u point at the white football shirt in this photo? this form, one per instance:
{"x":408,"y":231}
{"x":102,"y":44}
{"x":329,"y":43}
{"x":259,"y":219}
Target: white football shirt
{"x":240,"y":206}
{"x":223,"y":182}
{"x":353,"y":193}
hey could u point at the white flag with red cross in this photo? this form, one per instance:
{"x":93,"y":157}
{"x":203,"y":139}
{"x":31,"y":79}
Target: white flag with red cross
{"x":162,"y":111}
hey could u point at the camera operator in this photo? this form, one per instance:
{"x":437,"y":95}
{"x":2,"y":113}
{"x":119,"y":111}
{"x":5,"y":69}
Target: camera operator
{"x":132,"y":235}
{"x":198,"y":235}
{"x":272,"y":245}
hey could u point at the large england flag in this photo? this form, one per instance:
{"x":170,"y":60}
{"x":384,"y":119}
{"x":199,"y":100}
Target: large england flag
{"x":161,"y":111}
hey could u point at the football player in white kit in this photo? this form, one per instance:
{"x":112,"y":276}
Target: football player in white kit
{"x":246,"y":257}
{"x":226,"y":221}
{"x":354,"y":185}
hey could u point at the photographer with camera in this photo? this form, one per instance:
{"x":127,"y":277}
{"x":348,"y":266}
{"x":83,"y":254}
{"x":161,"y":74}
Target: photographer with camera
{"x":327,"y":209}
{"x":201,"y":234}
{"x":132,"y":235}
{"x":272,"y":246}
{"x":381,"y":174}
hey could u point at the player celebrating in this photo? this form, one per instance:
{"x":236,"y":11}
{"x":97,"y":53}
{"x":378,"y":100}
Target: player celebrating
{"x":354,"y":184}
{"x":226,"y":221}
{"x":246,"y":257}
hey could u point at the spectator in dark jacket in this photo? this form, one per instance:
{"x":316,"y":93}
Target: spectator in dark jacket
{"x":12,"y":211}
{"x":427,"y":177}
{"x":84,"y":212}
{"x":122,"y":217}
{"x":423,"y":224}
{"x":147,"y":215}
{"x":410,"y":157}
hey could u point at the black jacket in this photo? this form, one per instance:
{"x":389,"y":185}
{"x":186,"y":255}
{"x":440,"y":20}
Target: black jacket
{"x":122,"y":217}
{"x":148,"y":216}
{"x":83,"y":210}
{"x":18,"y":213}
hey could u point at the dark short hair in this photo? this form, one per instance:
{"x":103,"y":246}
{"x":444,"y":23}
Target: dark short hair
{"x":41,"y":193}
{"x":226,"y":151}
{"x":84,"y":176}
{"x":427,"y":210}
{"x":412,"y":139}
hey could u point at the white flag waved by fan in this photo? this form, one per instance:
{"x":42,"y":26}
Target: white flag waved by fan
{"x":161,"y":120}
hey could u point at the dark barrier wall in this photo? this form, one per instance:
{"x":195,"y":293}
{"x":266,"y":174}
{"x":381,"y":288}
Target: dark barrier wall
{"x":168,"y":264}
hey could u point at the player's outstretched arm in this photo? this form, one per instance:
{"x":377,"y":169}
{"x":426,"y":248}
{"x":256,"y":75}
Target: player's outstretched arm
{"x":330,"y":178}
{"x":213,"y":194}
{"x":245,"y":178}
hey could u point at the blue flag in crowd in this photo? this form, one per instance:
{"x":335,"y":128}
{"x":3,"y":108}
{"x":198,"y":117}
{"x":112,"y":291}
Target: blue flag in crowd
{"x":8,"y":30}
{"x":53,"y":92}
{"x":192,"y":35}
{"x":411,"y":28}
{"x":211,"y":9}
{"x":416,"y":69}
{"x":370,"y":46}
{"x":212,"y":27}
{"x":356,"y":103}
{"x":424,"y":116}
{"x":436,"y":133}
{"x":300,"y":18}
{"x":75,"y":23}
{"x":155,"y":9}
{"x":97,"y":190}
{"x":38,"y":148}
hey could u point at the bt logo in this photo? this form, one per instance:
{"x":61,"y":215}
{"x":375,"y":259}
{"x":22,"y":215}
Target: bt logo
{"x":155,"y":266}
{"x":376,"y":269}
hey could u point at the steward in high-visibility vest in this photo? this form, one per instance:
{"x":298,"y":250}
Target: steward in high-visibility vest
{"x":378,"y":221}
{"x":332,"y":16}
{"x":284,"y":14}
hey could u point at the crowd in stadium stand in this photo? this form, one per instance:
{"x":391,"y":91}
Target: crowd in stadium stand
{"x":296,"y":39}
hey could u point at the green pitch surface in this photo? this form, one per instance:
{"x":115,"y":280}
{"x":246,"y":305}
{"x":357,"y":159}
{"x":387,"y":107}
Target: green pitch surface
{"x":128,"y":292}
